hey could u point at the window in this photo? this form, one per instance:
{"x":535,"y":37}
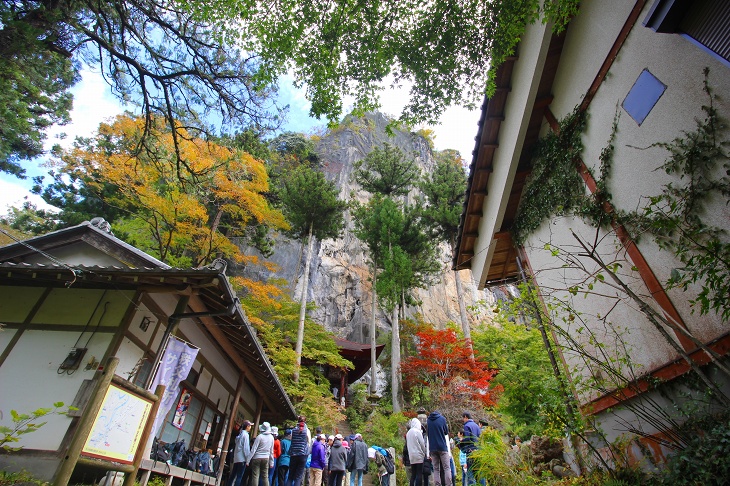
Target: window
{"x":704,"y":22}
{"x":181,"y":419}
{"x":643,"y":95}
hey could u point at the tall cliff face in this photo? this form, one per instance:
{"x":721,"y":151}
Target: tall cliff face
{"x":339,"y":280}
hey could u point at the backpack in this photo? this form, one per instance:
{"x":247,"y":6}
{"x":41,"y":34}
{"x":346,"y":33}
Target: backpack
{"x":389,"y":463}
{"x":189,"y":460}
{"x":158,"y":452}
{"x":177,"y":452}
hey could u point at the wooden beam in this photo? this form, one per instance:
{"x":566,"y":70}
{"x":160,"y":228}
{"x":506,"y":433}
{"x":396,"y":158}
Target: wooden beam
{"x":613,"y":53}
{"x":210,"y":325}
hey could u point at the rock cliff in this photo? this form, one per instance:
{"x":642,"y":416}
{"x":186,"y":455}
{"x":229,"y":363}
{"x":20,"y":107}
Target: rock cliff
{"x":339,"y":274}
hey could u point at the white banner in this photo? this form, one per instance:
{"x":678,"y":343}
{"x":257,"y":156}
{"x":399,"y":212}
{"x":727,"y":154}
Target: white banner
{"x":175,"y":365}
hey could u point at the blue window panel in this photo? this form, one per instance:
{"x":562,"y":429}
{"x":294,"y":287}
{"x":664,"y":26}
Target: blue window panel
{"x":643,"y":95}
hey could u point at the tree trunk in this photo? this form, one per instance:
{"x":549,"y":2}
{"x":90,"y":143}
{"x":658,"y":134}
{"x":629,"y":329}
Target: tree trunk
{"x":395,"y":361}
{"x":303,"y":305}
{"x":462,"y":312}
{"x":373,"y":353}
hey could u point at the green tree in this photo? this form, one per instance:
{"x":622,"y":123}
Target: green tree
{"x":395,"y":241}
{"x":311,"y":205}
{"x":33,"y":93}
{"x":386,"y":171}
{"x":276,"y":321}
{"x":531,"y":401}
{"x":155,"y":54}
{"x":448,"y":50}
{"x":444,"y":192}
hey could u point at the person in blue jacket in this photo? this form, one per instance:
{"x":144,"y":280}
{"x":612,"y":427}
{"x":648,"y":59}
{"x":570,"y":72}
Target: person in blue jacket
{"x":469,"y":444}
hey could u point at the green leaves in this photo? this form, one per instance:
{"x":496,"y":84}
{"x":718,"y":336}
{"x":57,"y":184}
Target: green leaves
{"x":309,"y":200}
{"x":444,"y":193}
{"x":448,"y":51}
{"x":26,"y":423}
{"x":386,"y":171}
{"x":554,"y":187}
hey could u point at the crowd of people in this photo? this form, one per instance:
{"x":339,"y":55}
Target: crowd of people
{"x":299,"y":457}
{"x":296,"y":457}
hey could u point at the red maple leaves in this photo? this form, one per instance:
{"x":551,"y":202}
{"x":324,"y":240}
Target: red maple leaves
{"x":444,"y":365}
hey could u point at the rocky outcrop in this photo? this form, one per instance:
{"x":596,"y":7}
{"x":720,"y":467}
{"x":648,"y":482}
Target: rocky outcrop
{"x":339,"y":276}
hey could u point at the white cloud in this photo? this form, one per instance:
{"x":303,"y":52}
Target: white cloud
{"x":93,"y":104}
{"x":14,"y":192}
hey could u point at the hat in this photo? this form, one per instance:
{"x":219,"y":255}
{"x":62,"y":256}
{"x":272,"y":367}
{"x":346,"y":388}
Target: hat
{"x":345,"y":444}
{"x":371,"y":453}
{"x":358,"y":436}
{"x":265,"y":428}
{"x":351,"y":437}
{"x":287,"y":432}
{"x":331,"y":437}
{"x":275,"y":430}
{"x":322,"y":436}
{"x":246,"y":423}
{"x":339,"y":436}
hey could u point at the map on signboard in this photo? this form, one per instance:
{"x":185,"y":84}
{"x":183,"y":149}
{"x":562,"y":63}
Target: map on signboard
{"x":118,"y":427}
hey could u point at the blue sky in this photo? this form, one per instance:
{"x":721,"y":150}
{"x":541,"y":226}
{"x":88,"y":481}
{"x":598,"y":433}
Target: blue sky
{"x":94,"y":103}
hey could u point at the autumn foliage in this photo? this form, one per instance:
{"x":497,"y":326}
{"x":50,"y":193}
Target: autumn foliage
{"x":443,"y":368}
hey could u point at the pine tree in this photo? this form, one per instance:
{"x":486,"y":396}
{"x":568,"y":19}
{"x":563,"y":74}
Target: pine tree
{"x":310,"y":204}
{"x":444,"y":193}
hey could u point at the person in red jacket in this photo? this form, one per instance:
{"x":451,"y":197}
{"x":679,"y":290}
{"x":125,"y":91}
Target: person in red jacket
{"x":277,"y":453}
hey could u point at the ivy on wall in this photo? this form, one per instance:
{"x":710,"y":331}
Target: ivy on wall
{"x":554,"y":187}
{"x":676,"y":218}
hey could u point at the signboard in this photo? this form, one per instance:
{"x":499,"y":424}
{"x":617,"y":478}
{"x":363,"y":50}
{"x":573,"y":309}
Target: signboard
{"x":118,"y":427}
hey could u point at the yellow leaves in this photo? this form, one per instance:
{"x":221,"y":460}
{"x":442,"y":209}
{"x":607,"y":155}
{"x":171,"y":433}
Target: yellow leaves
{"x":265,"y":293}
{"x":188,"y":215}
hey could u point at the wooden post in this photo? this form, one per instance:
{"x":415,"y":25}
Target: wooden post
{"x":130,"y":478}
{"x":86,"y":422}
{"x":231,"y":423}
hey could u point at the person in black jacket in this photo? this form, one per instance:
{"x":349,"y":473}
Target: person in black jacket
{"x":438,"y":446}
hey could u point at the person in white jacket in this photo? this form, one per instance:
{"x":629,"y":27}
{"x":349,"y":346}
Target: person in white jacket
{"x":416,"y":445}
{"x":262,"y":455}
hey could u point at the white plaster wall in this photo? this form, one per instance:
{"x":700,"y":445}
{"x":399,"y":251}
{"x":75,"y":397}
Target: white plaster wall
{"x":6,"y":335}
{"x":134,"y":328}
{"x":129,"y":355}
{"x":79,"y":254}
{"x":210,"y":351}
{"x":29,"y":380}
{"x":606,"y":313}
{"x":218,"y":394}
{"x":204,"y":381}
{"x":676,"y":62}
